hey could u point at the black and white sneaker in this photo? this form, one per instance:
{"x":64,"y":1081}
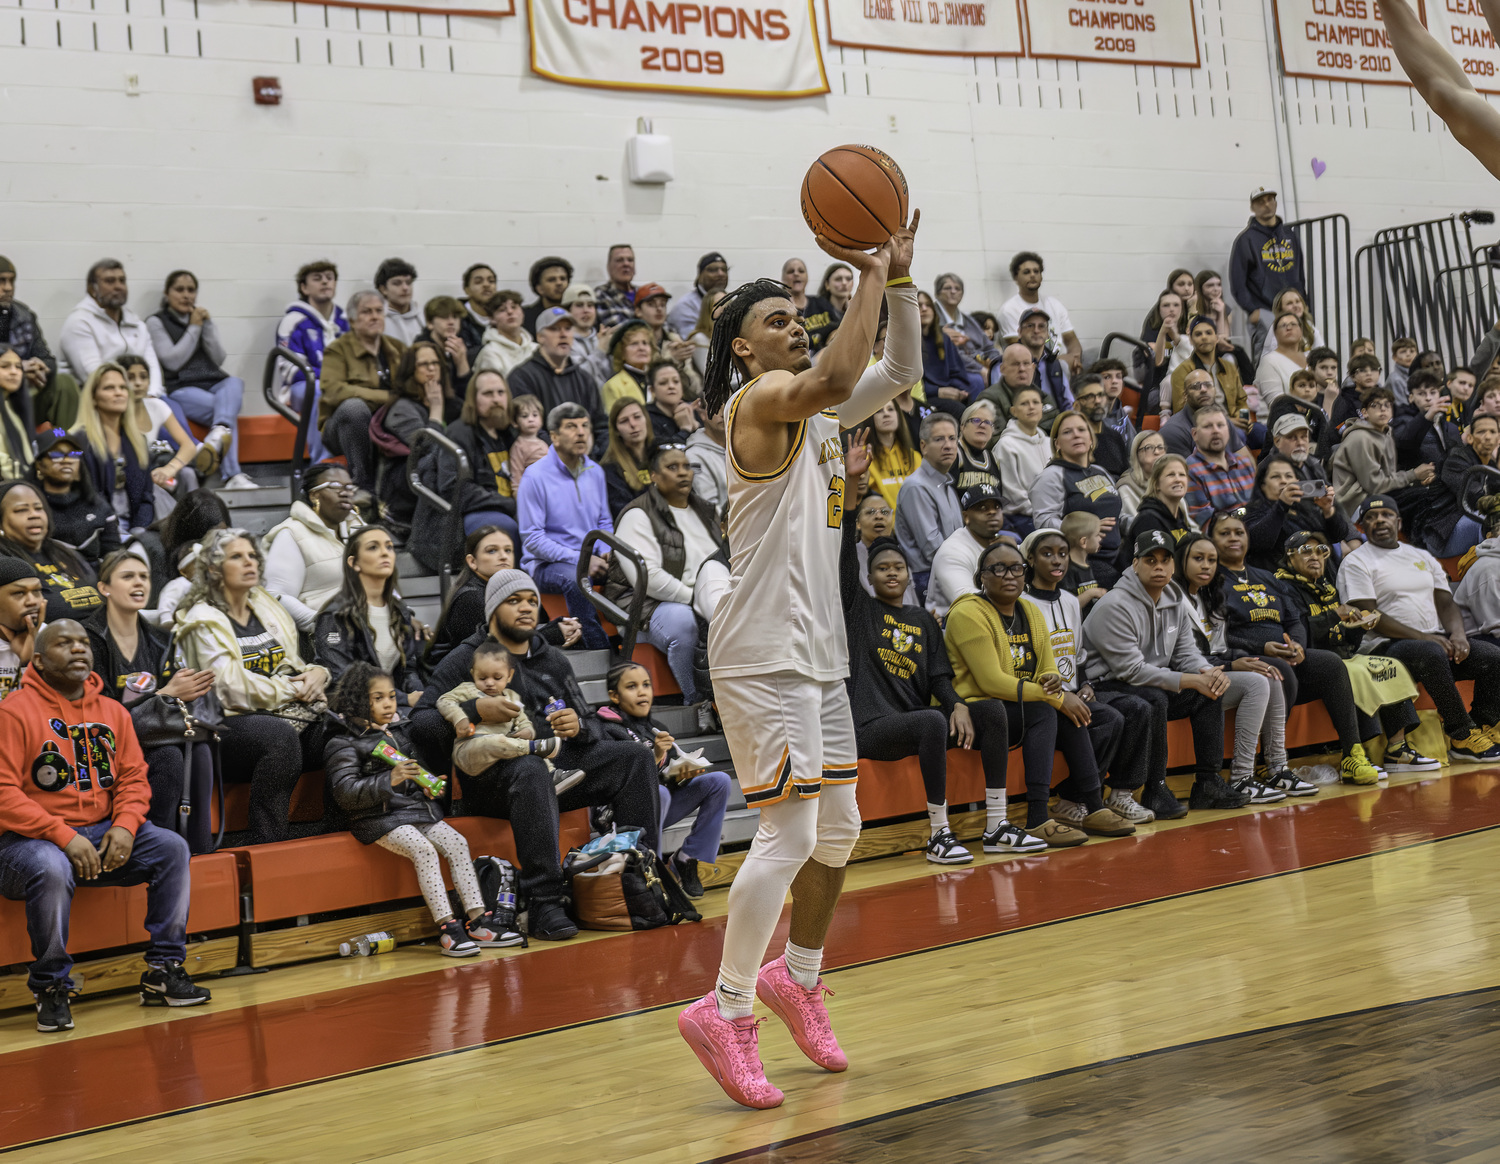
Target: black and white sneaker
{"x":1007,"y":838}
{"x":565,"y":778}
{"x":495,"y":929}
{"x":1257,"y":792}
{"x":686,"y":869}
{"x":52,"y":1010}
{"x":170,"y":985}
{"x":1289,"y":782}
{"x":944,"y":849}
{"x":1405,"y":758}
{"x":454,"y":940}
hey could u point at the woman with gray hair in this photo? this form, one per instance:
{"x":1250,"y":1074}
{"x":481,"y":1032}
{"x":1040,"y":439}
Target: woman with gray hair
{"x":359,"y":370}
{"x":977,"y":349}
{"x":228,"y":623}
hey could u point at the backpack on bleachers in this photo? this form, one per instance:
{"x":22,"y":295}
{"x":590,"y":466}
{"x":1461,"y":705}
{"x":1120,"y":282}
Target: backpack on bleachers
{"x":629,"y":890}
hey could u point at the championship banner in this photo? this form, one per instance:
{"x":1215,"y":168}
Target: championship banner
{"x":1461,"y":27}
{"x":968,"y":28}
{"x":436,"y":8}
{"x":672,"y":46}
{"x":1128,"y":32}
{"x":1338,"y":40}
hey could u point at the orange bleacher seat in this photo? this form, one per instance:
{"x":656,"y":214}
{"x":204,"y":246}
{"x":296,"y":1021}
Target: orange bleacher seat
{"x":1152,"y":422}
{"x":662,"y":682}
{"x":333,"y":872}
{"x":105,"y":917}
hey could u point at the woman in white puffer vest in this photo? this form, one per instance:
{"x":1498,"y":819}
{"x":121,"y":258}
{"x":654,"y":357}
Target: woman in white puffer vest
{"x":305,"y":553}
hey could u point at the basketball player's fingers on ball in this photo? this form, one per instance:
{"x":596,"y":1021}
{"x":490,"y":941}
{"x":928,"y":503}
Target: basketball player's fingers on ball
{"x":859,"y":260}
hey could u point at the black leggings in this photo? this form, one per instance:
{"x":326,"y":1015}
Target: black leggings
{"x":1207,"y":716}
{"x":1126,"y":756}
{"x":1040,"y":730}
{"x":165,"y":770}
{"x":267,"y":752}
{"x":1430,"y":666}
{"x":1390,"y":719}
{"x":1322,"y":675}
{"x":922,"y":733}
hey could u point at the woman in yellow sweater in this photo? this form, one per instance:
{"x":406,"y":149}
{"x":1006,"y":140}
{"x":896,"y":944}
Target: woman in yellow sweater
{"x":892,"y":457}
{"x":1004,"y":670}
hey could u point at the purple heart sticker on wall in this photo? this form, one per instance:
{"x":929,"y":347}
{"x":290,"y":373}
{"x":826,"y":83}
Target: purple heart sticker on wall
{"x":1319,"y":167}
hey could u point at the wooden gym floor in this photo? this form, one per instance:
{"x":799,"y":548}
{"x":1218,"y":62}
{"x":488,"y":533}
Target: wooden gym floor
{"x":1310,"y":981}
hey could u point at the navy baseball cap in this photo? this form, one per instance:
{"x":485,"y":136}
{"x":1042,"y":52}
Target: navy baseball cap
{"x":978,"y":495}
{"x":1031,"y":311}
{"x":1151,"y":540}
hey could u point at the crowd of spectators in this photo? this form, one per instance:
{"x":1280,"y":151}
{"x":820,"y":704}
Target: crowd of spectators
{"x":1036,"y":551}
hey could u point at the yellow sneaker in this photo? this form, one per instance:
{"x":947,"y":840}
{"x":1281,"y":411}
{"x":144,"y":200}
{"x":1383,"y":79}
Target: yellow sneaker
{"x":1475,"y":748}
{"x":1355,"y":768}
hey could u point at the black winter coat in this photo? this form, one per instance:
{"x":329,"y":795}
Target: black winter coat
{"x":361,"y":785}
{"x":82,"y":519}
{"x":337,"y":644}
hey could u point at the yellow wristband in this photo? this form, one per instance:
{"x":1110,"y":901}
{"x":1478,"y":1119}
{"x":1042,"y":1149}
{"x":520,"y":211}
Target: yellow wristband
{"x":901,"y":282}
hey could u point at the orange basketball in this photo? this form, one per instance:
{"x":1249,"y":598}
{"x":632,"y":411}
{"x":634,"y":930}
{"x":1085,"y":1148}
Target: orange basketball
{"x":854,"y":195}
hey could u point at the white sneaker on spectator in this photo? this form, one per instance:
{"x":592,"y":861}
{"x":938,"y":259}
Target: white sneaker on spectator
{"x":1121,"y":803}
{"x":240,"y":481}
{"x":1069,"y":812}
{"x":565,"y":778}
{"x":219,"y":437}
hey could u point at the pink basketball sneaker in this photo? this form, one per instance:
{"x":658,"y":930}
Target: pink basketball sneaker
{"x":803,"y":1012}
{"x":730,"y":1050}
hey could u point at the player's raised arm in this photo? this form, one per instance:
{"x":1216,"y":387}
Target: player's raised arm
{"x":900,"y":365}
{"x":1441,"y":81}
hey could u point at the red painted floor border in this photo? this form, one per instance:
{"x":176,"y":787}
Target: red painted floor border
{"x":87,"y":1083}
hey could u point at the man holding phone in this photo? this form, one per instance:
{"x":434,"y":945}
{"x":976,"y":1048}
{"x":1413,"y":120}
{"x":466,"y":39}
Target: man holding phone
{"x":1421,"y":426}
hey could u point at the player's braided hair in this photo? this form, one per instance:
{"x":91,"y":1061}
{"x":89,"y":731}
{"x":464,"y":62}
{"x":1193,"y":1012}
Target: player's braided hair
{"x":724,"y":367}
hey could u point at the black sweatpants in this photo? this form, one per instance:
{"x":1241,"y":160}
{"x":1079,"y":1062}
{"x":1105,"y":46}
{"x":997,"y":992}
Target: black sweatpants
{"x":618,"y":773}
{"x":1430,"y":666}
{"x":1040,"y":730}
{"x":1127,"y":762}
{"x":269,"y":754}
{"x":1322,"y":675}
{"x":922,"y":733}
{"x":165,"y":769}
{"x":1207,"y":716}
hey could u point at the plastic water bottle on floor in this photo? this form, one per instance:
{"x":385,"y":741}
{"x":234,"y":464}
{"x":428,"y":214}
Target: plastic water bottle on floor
{"x":367,"y":944}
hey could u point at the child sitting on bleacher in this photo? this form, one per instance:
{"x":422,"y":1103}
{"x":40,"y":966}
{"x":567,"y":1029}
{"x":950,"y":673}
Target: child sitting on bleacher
{"x":480,"y":745}
{"x":685,"y":786}
{"x":376,"y":785}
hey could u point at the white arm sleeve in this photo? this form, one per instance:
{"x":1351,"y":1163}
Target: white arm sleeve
{"x":899,"y":368}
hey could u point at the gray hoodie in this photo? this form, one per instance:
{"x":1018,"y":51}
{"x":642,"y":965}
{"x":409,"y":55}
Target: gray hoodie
{"x":1132,"y":640}
{"x":1478,"y":595}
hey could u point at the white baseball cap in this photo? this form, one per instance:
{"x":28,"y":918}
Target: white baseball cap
{"x":1261,"y":192}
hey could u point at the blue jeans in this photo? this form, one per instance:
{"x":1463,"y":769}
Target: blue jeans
{"x":40,"y":874}
{"x":673,"y":630}
{"x":1466,"y":535}
{"x":315,"y":450}
{"x":217,"y":405}
{"x":557,"y":578}
{"x":483,"y":517}
{"x":708,"y":792}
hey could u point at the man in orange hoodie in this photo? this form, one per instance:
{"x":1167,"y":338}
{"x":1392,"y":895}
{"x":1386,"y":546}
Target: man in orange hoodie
{"x":73,"y":801}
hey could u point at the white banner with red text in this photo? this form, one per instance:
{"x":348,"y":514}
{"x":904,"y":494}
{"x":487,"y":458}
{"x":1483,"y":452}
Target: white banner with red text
{"x":1129,"y":32}
{"x":1338,"y":40}
{"x":673,"y":46}
{"x":968,"y":28}
{"x":1463,"y":31}
{"x":492,"y":8}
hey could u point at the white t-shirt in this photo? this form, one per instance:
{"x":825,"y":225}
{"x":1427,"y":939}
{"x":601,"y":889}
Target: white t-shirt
{"x":1010,"y":315}
{"x":157,"y":411}
{"x":1402,"y":582}
{"x":385,"y":645}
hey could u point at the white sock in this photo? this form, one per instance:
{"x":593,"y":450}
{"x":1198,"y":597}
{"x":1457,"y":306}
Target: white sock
{"x":733,"y":1003}
{"x":994,"y":809}
{"x":937,"y":817}
{"x":803,"y":965}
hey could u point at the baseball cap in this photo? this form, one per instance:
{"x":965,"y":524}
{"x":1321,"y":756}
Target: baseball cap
{"x":551,"y":317}
{"x":1261,"y":191}
{"x":1302,"y":537}
{"x":650,"y":291}
{"x":1291,"y":422}
{"x":56,"y":436}
{"x":1031,"y":311}
{"x":1379,"y":501}
{"x":1151,"y":540}
{"x":577,"y":293}
{"x":977,"y":495}
{"x":711,"y":257}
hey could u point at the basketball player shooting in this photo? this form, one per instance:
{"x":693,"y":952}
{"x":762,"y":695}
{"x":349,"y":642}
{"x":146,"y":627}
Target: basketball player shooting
{"x":776,"y":646}
{"x":1441,"y":80}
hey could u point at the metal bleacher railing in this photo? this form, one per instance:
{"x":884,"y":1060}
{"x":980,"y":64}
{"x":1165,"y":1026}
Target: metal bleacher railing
{"x":627,"y":621}
{"x":454,"y":535}
{"x":1331,"y":289}
{"x":299,"y":421}
{"x":1428,"y":280}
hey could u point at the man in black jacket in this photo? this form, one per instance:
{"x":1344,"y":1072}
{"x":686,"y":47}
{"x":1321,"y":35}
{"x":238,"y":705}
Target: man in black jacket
{"x":53,"y":400}
{"x":1423,"y":432}
{"x":1265,"y":259}
{"x":552,"y":376}
{"x":616,"y":773}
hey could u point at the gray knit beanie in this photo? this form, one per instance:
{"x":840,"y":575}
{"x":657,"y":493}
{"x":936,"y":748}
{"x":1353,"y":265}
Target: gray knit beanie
{"x":502,"y":584}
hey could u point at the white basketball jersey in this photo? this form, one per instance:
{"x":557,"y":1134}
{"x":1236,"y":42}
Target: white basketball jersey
{"x":783,"y":611}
